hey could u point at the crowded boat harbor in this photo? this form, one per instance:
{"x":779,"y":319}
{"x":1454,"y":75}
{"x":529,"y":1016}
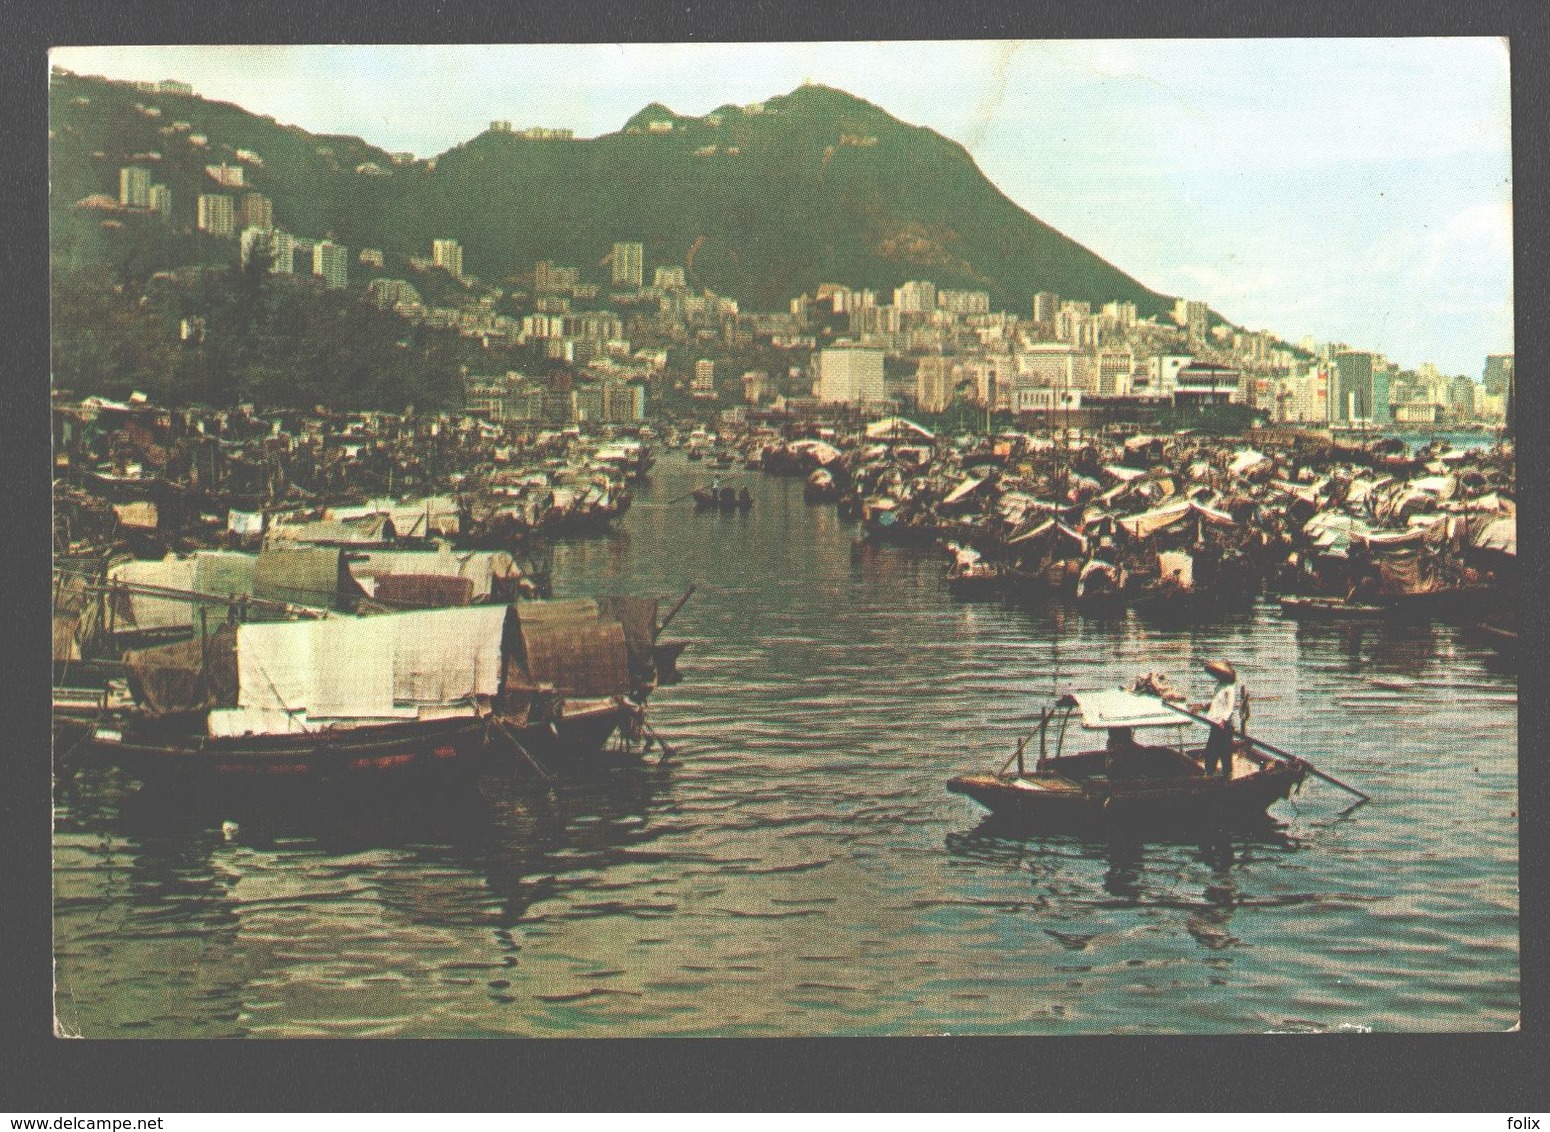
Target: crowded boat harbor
{"x":209,"y":567}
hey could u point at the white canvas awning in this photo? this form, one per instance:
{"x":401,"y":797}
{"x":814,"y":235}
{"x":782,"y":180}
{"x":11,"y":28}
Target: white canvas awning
{"x":1118,"y":708}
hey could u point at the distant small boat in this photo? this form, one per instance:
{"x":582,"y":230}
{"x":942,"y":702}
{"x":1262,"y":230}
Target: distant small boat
{"x":724,"y":499}
{"x":970,"y":576}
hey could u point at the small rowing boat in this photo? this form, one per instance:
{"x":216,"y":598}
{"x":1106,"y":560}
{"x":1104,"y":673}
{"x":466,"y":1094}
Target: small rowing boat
{"x":1127,"y":783}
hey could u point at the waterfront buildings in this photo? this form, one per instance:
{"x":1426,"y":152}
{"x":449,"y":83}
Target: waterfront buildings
{"x":1351,"y":390}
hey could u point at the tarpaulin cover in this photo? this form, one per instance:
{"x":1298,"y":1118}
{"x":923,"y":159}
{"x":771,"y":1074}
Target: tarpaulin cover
{"x":141,"y":516}
{"x":578,"y":658}
{"x":442,"y":656}
{"x":961,"y":490}
{"x":638,"y":616}
{"x":299,"y":575}
{"x":170,"y":572}
{"x":478,"y":566}
{"x":1245,"y":460}
{"x":245,"y":522}
{"x":1499,"y":534}
{"x":422,"y":591}
{"x":224,"y":573}
{"x":371,"y":529}
{"x":185,"y":676}
{"x":1149,"y":523}
{"x":340,"y":668}
{"x":897,"y":426}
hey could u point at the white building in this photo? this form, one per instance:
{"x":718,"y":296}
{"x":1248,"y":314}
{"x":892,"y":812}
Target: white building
{"x":963,"y":302}
{"x":915,"y":297}
{"x":1162,"y":374}
{"x":331,"y":261}
{"x":850,"y":375}
{"x":134,"y":187}
{"x":629,"y":264}
{"x":704,"y":383}
{"x":448,"y":255}
{"x":217,"y":215}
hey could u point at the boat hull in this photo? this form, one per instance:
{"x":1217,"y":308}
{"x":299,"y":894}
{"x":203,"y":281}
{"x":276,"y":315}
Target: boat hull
{"x":1204,"y":801}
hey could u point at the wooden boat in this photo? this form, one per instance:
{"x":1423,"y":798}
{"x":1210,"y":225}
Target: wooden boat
{"x":724,"y":499}
{"x":1458,"y":603}
{"x":1307,"y":608}
{"x":447,"y":693}
{"x":1127,"y":784}
{"x":970,"y":577}
{"x":820,"y":487}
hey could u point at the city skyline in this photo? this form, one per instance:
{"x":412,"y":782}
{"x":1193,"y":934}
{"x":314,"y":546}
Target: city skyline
{"x":1374,"y":210}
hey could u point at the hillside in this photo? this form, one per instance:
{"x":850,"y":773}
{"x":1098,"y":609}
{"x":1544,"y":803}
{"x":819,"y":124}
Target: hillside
{"x":760,"y":203}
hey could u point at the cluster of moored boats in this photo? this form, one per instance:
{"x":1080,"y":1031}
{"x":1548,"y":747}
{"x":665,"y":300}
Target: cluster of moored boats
{"x":1183,"y":524}
{"x":207,"y":631}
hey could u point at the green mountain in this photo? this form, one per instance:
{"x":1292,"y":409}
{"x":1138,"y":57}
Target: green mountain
{"x":760,"y":203}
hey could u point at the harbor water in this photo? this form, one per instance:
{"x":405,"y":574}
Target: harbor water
{"x":799,"y":868}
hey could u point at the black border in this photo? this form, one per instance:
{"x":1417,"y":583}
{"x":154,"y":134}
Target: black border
{"x":1503,"y":1073}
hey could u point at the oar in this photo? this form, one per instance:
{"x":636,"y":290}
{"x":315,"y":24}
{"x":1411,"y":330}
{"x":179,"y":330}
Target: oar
{"x":672,"y":613}
{"x":668,"y":751}
{"x":517,"y":746}
{"x":1276,"y":752}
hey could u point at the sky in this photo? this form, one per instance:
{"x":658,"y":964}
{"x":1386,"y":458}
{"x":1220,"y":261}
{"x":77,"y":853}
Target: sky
{"x":1356,"y":191}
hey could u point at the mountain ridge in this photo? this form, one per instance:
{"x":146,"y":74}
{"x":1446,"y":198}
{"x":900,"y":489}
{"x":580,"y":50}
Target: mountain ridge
{"x":762,"y":202}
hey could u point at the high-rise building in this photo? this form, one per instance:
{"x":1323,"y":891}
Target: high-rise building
{"x":629,"y":263}
{"x":1498,"y":373}
{"x":963,"y":302}
{"x":1461,"y":398}
{"x":704,"y":383}
{"x":161,"y":201}
{"x":851,"y":375}
{"x":1119,"y":315}
{"x":134,"y":187}
{"x":1046,"y":305}
{"x":1114,"y":370}
{"x":448,"y":255}
{"x":915,"y":297}
{"x":1196,"y":315}
{"x":331,"y":261}
{"x":1350,"y":395}
{"x":549,"y":279}
{"x":934,"y":383}
{"x":255,"y":211}
{"x":216,"y":215}
{"x":670,"y":279}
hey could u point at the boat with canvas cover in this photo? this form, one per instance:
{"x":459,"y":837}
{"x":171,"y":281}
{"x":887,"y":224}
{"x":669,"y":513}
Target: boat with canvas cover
{"x":1127,"y":783}
{"x":403,"y":696}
